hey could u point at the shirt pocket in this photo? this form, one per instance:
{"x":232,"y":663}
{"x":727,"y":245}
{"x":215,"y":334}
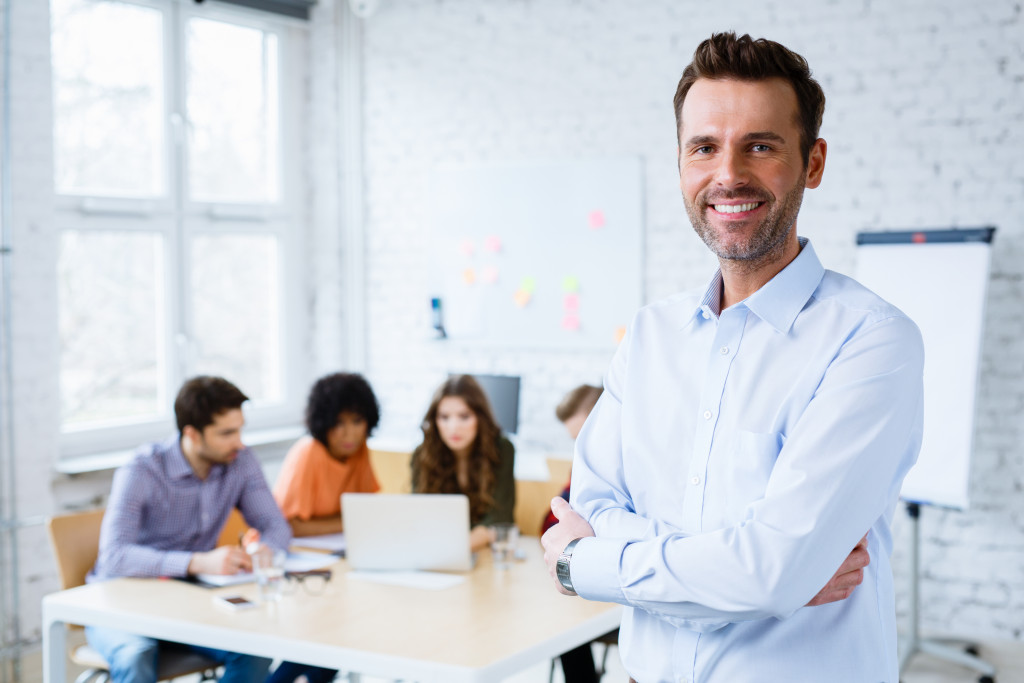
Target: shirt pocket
{"x":750,"y":460}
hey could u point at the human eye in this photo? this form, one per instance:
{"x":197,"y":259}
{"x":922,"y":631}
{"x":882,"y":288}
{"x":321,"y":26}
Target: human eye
{"x":761,"y":147}
{"x":703,"y":149}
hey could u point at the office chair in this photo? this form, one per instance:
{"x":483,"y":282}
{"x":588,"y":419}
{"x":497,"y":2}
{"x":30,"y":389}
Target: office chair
{"x":75,"y":540}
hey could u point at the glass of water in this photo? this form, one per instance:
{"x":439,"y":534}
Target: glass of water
{"x":504,"y":544}
{"x":269,"y":570}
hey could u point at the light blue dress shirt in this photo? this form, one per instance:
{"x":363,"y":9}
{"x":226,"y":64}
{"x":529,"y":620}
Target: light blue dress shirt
{"x":732,"y":463}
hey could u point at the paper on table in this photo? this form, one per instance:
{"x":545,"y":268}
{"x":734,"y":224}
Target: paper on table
{"x":411,"y":579}
{"x":334,"y":543}
{"x":295,"y":562}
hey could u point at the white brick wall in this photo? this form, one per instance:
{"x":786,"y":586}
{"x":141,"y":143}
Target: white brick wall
{"x":925,"y":123}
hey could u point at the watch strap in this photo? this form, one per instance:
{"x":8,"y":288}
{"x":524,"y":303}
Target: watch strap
{"x":562,"y":566}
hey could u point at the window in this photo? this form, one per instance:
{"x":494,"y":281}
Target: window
{"x":177,"y":213}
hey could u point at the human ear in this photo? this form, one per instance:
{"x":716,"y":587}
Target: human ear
{"x":816,"y":164}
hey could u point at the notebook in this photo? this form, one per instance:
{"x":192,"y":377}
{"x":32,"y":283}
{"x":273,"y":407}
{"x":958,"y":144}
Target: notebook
{"x":409,"y":531}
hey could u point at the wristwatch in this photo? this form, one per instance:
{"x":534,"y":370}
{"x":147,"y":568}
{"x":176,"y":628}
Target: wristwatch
{"x":562,"y":566}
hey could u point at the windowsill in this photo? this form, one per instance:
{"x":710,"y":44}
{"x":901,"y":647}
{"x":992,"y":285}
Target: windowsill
{"x":111,"y":460}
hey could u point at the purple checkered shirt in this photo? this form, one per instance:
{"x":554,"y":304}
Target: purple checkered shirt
{"x":160,"y":512}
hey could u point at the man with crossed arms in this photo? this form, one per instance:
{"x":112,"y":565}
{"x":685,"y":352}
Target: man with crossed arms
{"x":750,"y":432}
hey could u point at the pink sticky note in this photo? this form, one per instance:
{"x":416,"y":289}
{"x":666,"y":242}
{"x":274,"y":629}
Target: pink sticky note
{"x":493,"y":243}
{"x":571,"y":322}
{"x":467,"y":247}
{"x":596,"y":219}
{"x":489,"y":274}
{"x":522,"y":298}
{"x":571,"y":302}
{"x":469,"y":276}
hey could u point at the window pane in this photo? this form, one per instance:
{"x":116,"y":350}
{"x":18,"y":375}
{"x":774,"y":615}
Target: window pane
{"x":108,"y":98}
{"x":111,"y":308}
{"x":232,"y":109}
{"x":235,"y":312}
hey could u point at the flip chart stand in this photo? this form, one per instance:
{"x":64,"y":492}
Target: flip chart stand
{"x":966,"y":656}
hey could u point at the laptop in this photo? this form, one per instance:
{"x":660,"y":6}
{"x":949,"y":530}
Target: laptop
{"x":407,"y":531}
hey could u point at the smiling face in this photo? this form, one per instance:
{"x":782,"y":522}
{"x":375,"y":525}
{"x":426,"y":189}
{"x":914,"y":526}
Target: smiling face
{"x":346,"y":438}
{"x":740,"y":168}
{"x":456,"y":424}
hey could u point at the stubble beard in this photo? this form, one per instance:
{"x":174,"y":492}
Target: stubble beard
{"x":767,"y":242}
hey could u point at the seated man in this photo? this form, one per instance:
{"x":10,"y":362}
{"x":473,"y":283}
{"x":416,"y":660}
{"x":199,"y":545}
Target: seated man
{"x":166,"y":511}
{"x":578,"y":663}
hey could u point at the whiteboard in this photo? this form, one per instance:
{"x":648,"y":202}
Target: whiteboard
{"x":542,"y":254}
{"x":939,"y":279}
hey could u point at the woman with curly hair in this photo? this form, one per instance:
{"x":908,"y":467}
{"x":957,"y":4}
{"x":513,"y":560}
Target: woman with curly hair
{"x":340,"y":414}
{"x":464,"y":451}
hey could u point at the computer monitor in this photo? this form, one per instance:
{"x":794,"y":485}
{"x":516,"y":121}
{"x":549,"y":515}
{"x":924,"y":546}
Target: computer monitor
{"x":503,"y":393}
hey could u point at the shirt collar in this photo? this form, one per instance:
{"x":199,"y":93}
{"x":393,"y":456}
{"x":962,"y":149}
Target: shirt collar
{"x":178,"y":466}
{"x":781,"y":299}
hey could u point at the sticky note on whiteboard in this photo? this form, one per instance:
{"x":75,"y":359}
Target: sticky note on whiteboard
{"x":571,"y":322}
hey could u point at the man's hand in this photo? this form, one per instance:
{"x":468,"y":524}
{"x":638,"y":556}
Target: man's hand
{"x":227,"y":559}
{"x":848,"y":577}
{"x":570,"y":526}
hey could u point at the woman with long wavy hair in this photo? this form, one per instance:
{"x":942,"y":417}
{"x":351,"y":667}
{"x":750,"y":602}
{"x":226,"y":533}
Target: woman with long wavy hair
{"x":464,"y":451}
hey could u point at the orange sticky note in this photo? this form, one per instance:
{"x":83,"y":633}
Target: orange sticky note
{"x":571,"y":302}
{"x":469,"y":276}
{"x":571,"y":322}
{"x":493,"y":243}
{"x":620,"y":333}
{"x":521,"y":297}
{"x":596,"y":219}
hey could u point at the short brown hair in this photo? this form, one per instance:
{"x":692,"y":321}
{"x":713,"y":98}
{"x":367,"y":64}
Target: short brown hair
{"x":724,"y":56}
{"x":583,"y":397}
{"x":203,"y":398}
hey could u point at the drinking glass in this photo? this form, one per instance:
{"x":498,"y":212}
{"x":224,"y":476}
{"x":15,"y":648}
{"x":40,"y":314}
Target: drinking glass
{"x":503,"y":546}
{"x":269,"y":570}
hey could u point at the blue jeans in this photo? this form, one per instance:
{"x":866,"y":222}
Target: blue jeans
{"x":133,"y":658}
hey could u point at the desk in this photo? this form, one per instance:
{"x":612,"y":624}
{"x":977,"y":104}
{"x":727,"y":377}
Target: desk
{"x":491,"y":626}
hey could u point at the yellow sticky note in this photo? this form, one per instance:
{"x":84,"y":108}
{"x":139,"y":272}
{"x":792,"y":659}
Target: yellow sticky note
{"x":570,"y":283}
{"x":469,"y":276}
{"x":528,"y":284}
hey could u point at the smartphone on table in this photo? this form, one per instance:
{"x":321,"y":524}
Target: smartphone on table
{"x":234,"y":602}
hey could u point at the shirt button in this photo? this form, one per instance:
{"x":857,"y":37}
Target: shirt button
{"x":695,"y":480}
{"x":707,"y":414}
{"x":705,"y":315}
{"x":724,"y":350}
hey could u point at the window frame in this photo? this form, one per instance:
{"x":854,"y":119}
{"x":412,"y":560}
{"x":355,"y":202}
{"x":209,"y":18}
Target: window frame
{"x":178,"y":219}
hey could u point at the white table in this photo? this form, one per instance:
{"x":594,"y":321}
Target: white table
{"x":494,"y":624}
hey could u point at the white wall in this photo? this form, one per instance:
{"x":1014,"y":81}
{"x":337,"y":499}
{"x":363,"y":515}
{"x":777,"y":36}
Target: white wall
{"x":925,"y":124}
